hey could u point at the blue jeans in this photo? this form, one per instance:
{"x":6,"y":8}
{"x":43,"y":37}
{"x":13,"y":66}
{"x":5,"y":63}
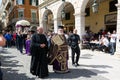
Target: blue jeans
{"x":112,"y":48}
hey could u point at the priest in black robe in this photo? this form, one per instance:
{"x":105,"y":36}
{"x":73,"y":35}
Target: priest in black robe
{"x":39,"y":49}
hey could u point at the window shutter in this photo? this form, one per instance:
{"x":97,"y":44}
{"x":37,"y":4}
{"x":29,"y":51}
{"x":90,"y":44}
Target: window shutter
{"x":16,"y":1}
{"x":30,"y":2}
{"x":23,"y":1}
{"x":36,"y":2}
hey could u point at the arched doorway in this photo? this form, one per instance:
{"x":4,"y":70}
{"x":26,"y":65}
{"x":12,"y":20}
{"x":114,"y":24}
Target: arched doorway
{"x":105,"y":19}
{"x":48,"y":22}
{"x":66,"y":15}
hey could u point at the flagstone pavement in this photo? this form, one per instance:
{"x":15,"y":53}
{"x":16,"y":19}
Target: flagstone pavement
{"x":94,"y":65}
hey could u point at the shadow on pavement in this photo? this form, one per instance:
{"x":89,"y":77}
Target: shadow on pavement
{"x":10,"y":74}
{"x":86,"y":56}
{"x":74,"y":73}
{"x":13,"y":74}
{"x":7,"y":68}
{"x":96,"y":66}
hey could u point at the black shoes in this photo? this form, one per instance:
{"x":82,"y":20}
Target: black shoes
{"x":43,"y":76}
{"x":76,"y":64}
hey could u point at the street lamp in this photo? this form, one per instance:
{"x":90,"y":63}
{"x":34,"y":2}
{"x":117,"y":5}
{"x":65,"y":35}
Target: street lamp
{"x":4,"y":14}
{"x":63,"y":14}
{"x":95,"y":6}
{"x":63,"y":11}
{"x":46,"y":17}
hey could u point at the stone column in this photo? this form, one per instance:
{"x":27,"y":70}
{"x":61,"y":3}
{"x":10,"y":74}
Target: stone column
{"x":43,"y":24}
{"x":57,"y":22}
{"x":118,"y":29}
{"x":80,"y":23}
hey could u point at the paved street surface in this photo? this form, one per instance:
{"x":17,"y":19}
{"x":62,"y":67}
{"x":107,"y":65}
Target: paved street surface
{"x":94,"y":65}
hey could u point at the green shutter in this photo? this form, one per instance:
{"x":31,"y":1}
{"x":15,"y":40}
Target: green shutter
{"x":23,"y":1}
{"x":36,"y":2}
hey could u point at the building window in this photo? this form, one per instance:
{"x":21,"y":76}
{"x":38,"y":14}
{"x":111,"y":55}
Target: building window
{"x":34,"y":2}
{"x":20,"y":13}
{"x":33,"y":15}
{"x":87,"y":11}
{"x":19,"y":2}
{"x":112,"y":6}
{"x":67,"y":16}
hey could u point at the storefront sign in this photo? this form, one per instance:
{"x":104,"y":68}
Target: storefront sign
{"x":111,"y":18}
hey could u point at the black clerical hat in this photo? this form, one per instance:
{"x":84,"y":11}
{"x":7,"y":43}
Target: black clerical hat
{"x":60,"y":27}
{"x":31,"y":30}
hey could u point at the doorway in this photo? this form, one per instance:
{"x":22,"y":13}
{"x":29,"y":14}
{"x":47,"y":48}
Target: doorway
{"x":110,"y":28}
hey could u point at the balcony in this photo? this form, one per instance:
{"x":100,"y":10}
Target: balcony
{"x":32,"y":21}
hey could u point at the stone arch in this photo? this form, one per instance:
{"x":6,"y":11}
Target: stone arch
{"x":62,"y":6}
{"x":46,"y":20}
{"x":46,"y":13}
{"x":83,"y":5}
{"x":69,"y":10}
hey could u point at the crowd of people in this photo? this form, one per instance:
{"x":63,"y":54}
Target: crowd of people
{"x":45,"y":49}
{"x":103,"y":41}
{"x":52,"y":48}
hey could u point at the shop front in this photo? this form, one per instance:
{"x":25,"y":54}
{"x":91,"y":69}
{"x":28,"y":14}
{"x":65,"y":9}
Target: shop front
{"x":79,"y":14}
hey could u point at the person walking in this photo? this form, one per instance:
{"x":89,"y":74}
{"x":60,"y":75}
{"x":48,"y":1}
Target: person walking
{"x":39,"y":50}
{"x":20,"y":41}
{"x":113,"y":38}
{"x":8,"y":38}
{"x":58,"y":54}
{"x":74,"y":41}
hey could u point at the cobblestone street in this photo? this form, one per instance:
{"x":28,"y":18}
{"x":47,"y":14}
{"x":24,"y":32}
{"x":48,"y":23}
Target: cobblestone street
{"x":93,"y":66}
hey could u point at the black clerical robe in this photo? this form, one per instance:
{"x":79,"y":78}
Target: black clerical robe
{"x":39,"y":63}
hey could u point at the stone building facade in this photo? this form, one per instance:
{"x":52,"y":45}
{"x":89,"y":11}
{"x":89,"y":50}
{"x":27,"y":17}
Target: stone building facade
{"x":50,"y":15}
{"x":20,"y":9}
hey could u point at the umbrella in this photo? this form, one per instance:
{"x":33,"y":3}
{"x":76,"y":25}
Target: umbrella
{"x":22,"y":23}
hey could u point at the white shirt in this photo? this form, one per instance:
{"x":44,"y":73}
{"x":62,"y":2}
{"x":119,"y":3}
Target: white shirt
{"x":105,"y":42}
{"x":113,"y":38}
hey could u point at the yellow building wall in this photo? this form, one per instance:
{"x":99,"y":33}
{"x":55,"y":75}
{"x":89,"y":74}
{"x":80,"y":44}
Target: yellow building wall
{"x":69,"y":25}
{"x":96,"y":20}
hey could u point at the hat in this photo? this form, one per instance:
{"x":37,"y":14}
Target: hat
{"x":31,"y":30}
{"x":60,"y":27}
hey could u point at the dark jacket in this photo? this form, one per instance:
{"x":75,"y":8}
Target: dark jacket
{"x":73,"y":40}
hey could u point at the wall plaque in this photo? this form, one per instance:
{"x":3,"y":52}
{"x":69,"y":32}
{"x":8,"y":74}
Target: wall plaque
{"x":110,"y":18}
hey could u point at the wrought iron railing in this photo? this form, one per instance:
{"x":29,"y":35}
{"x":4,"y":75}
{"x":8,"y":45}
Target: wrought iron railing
{"x":31,"y":20}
